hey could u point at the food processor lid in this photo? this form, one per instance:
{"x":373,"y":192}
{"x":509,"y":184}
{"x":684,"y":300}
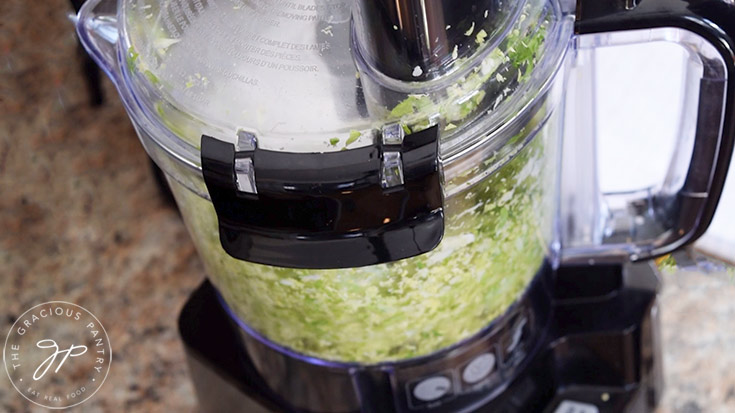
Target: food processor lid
{"x":307,"y":76}
{"x":320,"y":123}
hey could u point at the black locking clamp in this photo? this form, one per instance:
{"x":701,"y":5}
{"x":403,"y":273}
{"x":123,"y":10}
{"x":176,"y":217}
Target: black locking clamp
{"x":344,"y":209}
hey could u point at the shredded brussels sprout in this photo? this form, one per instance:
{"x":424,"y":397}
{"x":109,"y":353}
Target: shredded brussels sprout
{"x":494,"y":244}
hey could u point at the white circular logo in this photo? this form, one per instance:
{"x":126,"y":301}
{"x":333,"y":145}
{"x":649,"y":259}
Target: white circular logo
{"x":57,"y":355}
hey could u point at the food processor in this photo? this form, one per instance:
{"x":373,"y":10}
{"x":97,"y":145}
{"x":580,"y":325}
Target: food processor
{"x":396,"y":202}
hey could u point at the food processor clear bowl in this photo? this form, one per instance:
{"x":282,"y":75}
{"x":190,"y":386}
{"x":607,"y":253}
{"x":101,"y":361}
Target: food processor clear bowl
{"x":308,"y":81}
{"x":496,"y":110}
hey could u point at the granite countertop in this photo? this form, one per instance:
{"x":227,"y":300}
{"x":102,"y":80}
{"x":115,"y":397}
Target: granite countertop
{"x":82,"y":220}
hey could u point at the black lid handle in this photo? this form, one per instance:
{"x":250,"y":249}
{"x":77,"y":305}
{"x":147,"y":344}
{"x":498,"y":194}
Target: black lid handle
{"x":352,"y":208}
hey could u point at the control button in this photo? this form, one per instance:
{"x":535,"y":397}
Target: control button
{"x":479,"y":368}
{"x":517,"y":335}
{"x":568,"y":406}
{"x":432,"y":388}
{"x":515,"y":342}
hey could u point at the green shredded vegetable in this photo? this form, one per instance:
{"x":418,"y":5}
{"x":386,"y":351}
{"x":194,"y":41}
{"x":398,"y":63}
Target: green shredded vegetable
{"x":522,"y":50}
{"x":412,"y":104}
{"x":354,"y":136}
{"x":151,"y":77}
{"x":480,"y":37}
{"x":464,"y":98}
{"x":493,"y":245}
{"x":131,"y":58}
{"x":667,"y":264}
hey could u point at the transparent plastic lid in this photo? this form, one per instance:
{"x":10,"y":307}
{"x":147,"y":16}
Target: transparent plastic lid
{"x":304,"y":76}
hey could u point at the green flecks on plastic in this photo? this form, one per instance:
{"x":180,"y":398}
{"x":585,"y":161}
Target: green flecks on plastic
{"x":523,"y":51}
{"x":470,"y":30}
{"x":161,"y":112}
{"x":334,"y":141}
{"x":481,"y":36}
{"x":354,"y":136}
{"x":667,"y":264}
{"x":464,"y":98}
{"x":410,"y":105}
{"x":168,"y":119}
{"x":133,"y":63}
{"x":152,"y":78}
{"x":421,"y":125}
{"x":132,"y":58}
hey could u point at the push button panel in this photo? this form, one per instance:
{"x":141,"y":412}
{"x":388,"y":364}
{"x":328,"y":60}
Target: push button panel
{"x":470,"y":377}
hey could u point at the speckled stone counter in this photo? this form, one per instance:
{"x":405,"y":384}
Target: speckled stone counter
{"x":698,"y":316}
{"x":82,"y":220}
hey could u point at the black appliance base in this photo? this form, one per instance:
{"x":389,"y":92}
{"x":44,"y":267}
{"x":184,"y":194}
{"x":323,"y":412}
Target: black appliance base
{"x":601,"y":352}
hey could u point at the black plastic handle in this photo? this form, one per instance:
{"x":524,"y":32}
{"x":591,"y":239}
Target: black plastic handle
{"x":713,"y":20}
{"x":327,"y":210}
